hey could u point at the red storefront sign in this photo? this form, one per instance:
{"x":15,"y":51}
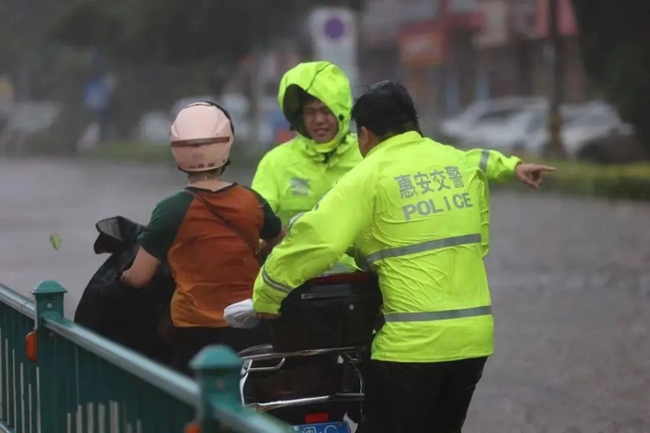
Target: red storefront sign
{"x":423,"y":45}
{"x":426,"y":43}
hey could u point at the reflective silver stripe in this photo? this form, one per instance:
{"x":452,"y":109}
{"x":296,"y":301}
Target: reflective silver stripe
{"x":424,"y":246}
{"x":274,"y":284}
{"x":485,"y":156}
{"x":438,"y":315}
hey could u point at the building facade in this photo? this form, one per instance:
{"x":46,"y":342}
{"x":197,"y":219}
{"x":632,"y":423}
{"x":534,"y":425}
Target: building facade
{"x":452,"y":52}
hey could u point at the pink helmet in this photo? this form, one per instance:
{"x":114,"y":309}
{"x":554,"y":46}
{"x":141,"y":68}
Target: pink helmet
{"x":201,"y":137}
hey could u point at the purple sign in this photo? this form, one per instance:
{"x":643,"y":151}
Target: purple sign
{"x":334,"y":28}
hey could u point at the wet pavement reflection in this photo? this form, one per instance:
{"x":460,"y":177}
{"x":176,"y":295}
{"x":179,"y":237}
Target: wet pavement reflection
{"x":570,"y":281}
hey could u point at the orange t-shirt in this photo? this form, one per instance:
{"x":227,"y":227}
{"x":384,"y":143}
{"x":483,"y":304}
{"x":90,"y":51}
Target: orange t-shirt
{"x":212,"y":265}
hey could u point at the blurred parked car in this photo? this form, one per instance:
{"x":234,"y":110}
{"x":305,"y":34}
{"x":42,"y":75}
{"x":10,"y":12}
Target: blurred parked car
{"x":526,"y":131}
{"x":516,"y":133}
{"x":26,"y":121}
{"x":592,"y":123}
{"x":484,"y":113}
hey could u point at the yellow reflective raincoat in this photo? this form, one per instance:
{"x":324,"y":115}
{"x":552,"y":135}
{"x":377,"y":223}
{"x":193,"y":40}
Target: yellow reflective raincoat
{"x":418,"y":212}
{"x":293,"y":176}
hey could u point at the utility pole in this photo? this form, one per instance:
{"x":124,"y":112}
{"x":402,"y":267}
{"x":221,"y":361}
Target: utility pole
{"x":555,"y":146}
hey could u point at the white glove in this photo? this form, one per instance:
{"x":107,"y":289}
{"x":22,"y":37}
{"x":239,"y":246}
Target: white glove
{"x":241,"y":315}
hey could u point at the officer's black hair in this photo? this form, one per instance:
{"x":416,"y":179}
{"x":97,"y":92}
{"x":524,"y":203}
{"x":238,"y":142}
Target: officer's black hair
{"x":386,"y":109}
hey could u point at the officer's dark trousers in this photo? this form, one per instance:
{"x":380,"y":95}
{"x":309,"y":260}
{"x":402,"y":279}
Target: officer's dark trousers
{"x":414,"y":397}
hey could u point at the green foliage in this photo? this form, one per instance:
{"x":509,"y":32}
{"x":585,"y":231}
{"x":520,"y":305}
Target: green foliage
{"x":616,"y":181}
{"x":177,"y":31}
{"x":615,"y":40}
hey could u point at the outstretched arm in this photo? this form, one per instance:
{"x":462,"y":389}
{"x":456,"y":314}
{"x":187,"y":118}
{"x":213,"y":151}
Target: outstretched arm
{"x":498,"y":167}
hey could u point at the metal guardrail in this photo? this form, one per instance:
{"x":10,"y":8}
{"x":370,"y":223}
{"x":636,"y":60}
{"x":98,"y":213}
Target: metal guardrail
{"x":66,"y":379}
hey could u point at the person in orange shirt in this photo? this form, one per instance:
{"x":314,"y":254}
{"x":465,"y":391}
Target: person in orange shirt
{"x":209,"y":233}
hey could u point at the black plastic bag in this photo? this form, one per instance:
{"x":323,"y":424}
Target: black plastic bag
{"x":136,"y":318}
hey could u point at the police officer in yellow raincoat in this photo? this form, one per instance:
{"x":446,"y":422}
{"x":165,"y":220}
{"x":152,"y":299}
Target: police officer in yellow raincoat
{"x":418,"y":212}
{"x":316,"y":99}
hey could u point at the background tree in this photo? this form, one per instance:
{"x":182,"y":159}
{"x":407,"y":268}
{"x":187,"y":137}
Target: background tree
{"x":198,"y":42}
{"x":179,"y":31}
{"x":615,"y":39}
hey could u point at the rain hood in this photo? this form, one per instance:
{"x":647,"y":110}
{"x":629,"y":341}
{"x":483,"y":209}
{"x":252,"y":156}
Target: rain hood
{"x":322,"y":80}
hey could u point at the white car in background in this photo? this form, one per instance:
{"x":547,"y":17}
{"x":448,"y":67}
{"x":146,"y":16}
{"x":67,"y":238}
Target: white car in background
{"x":515,"y":133}
{"x":27,"y":119}
{"x":526,"y":131}
{"x":485,"y":113}
{"x":592,"y":122}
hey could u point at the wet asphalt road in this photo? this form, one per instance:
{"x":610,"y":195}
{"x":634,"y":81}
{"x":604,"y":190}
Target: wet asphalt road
{"x":570,"y":280}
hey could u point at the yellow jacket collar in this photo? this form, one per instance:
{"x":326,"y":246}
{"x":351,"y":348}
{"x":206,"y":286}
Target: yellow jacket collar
{"x":395,"y":140}
{"x":308,"y":147}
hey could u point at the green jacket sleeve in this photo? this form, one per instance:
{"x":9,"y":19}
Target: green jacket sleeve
{"x":264,"y":183}
{"x":314,"y":242}
{"x":166,"y":219}
{"x":495,"y":165}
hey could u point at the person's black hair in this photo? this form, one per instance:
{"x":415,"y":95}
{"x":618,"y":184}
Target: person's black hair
{"x":295,"y":99}
{"x":386,"y":109}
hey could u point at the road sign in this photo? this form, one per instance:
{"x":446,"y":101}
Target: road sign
{"x":334,"y":38}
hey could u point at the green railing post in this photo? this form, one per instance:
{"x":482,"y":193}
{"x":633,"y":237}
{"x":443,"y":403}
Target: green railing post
{"x":49,"y":305}
{"x":217,"y":370}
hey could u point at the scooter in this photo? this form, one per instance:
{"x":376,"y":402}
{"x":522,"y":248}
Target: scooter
{"x":311,"y":375}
